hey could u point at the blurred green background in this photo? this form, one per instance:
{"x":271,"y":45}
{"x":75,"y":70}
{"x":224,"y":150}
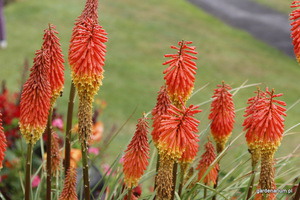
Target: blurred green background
{"x":140,"y":33}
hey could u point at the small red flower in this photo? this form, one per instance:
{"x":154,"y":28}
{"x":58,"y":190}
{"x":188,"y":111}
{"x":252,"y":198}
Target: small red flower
{"x":137,"y":154}
{"x":35,"y":99}
{"x":178,"y":131}
{"x":162,"y":105}
{"x":3,"y":143}
{"x":69,"y":190}
{"x":208,"y":157}
{"x":294,"y":16}
{"x":180,"y":75}
{"x":56,"y":66}
{"x":222,"y":115}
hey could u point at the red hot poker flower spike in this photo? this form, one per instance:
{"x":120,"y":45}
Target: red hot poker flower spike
{"x":69,"y":190}
{"x":180,"y":75}
{"x":222,"y":115}
{"x":208,"y":158}
{"x":295,"y":17}
{"x":249,"y":125}
{"x":86,"y":57}
{"x":56,"y":66}
{"x":3,"y":143}
{"x":178,"y":130}
{"x":137,"y":154}
{"x":162,"y":105}
{"x":35,"y":99}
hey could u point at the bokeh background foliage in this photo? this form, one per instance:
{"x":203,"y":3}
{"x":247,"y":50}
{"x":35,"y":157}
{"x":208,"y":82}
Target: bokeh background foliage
{"x":140,"y":33}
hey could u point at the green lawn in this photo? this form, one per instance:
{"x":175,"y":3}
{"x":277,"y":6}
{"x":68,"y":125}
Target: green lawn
{"x":140,"y":33}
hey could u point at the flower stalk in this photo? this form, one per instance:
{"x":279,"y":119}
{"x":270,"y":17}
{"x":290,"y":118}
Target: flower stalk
{"x":48,"y":167}
{"x":28,"y":171}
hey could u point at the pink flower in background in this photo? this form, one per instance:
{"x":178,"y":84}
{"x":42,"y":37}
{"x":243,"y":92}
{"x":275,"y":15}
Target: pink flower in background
{"x":93,"y":150}
{"x":106,"y":169}
{"x":58,"y":123}
{"x":121,"y":160}
{"x":36,"y":181}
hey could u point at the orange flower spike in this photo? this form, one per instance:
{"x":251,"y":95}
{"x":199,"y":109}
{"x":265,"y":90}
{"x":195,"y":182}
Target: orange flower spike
{"x":208,"y":157}
{"x":269,"y":128}
{"x":249,"y":125}
{"x":86,"y":57}
{"x":163,"y":102}
{"x":178,"y":130}
{"x":3,"y":143}
{"x":137,"y":154}
{"x":56,"y":66}
{"x":222,"y":115}
{"x":69,"y":190}
{"x":180,"y":75}
{"x":295,"y":17}
{"x":35,"y":99}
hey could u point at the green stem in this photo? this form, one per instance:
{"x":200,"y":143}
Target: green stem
{"x":69,"y":127}
{"x":49,"y":132}
{"x":205,"y":192}
{"x":251,"y":183}
{"x":28,"y":171}
{"x":85,"y":167}
{"x":216,"y":185}
{"x":157,"y":167}
{"x":175,"y":166}
{"x":129,"y":193}
{"x":182,"y":172}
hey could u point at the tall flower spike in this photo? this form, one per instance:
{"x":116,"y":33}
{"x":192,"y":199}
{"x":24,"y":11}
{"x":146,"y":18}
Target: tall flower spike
{"x":69,"y":190}
{"x":35,"y":99}
{"x":249,"y":125}
{"x":162,"y":105}
{"x":208,"y":157}
{"x":137,"y":154}
{"x":178,"y":130}
{"x":222,"y":115}
{"x":3,"y":143}
{"x":295,"y":17}
{"x":86,"y":58}
{"x":180,"y":75}
{"x":56,"y":66}
{"x":269,"y":127}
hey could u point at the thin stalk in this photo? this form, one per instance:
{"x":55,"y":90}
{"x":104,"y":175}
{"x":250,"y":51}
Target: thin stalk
{"x":28,"y":171}
{"x":216,"y":185}
{"x":181,"y":183}
{"x":251,"y":183}
{"x":205,"y":192}
{"x":175,"y":166}
{"x":85,"y":167}
{"x":297,"y":195}
{"x":69,"y":127}
{"x":49,"y":132}
{"x":157,"y":167}
{"x":129,"y":193}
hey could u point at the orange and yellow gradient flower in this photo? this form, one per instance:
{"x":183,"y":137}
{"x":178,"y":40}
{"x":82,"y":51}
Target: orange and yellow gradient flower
{"x":269,"y":127}
{"x":137,"y":154}
{"x":3,"y":143}
{"x":180,"y":75}
{"x":222,"y":115}
{"x":56,"y":62}
{"x":208,"y":157}
{"x":249,"y":125}
{"x":35,"y":99}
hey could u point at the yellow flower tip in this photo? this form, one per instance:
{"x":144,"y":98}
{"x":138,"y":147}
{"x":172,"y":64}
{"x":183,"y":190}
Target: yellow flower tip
{"x":31,"y":133}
